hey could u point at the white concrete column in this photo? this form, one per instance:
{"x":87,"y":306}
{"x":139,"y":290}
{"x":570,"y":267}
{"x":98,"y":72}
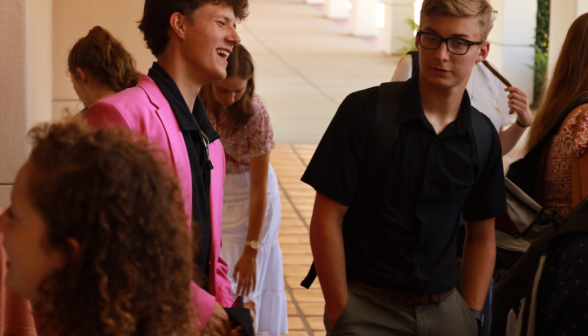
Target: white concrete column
{"x":396,"y":29}
{"x":25,"y":88}
{"x":362,"y":17}
{"x":336,"y":9}
{"x":512,"y":41}
{"x":562,"y":15}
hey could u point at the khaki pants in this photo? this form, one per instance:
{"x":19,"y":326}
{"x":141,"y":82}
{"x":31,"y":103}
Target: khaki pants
{"x":368,"y":313}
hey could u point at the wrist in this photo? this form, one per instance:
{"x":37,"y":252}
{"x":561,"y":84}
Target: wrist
{"x":249,"y":251}
{"x":523,"y":124}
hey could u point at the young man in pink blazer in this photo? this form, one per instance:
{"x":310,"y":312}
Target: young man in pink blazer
{"x":191,"y":40}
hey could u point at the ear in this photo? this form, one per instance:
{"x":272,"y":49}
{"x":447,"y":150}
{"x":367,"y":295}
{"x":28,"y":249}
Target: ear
{"x":416,"y":42}
{"x":83,"y":75}
{"x":177,"y":23}
{"x":484,"y":51}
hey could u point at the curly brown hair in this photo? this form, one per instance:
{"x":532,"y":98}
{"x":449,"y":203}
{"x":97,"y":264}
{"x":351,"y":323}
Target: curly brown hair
{"x":240,"y":63}
{"x":156,"y":14}
{"x":105,"y":189}
{"x":105,"y":58}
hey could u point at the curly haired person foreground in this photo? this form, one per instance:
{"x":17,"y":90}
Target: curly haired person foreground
{"x":96,"y":235}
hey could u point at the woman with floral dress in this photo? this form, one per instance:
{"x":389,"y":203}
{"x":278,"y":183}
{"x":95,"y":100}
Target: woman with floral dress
{"x":251,"y":209}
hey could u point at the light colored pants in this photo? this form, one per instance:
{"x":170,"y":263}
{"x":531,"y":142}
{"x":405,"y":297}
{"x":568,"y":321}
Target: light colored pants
{"x":374,"y":314}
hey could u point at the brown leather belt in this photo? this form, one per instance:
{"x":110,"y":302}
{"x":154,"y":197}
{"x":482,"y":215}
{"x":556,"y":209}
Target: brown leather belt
{"x":410,"y":298}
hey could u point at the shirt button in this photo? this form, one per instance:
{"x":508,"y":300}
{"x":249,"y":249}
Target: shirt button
{"x":429,"y":177}
{"x":436,"y":140}
{"x":423,"y":240}
{"x":421,"y":210}
{"x":418,"y":270}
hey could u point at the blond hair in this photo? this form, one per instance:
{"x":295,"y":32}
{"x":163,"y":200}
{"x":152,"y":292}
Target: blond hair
{"x":481,"y":9}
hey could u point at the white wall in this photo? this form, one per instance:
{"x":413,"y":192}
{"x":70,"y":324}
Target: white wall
{"x":395,"y":27}
{"x":512,"y":41}
{"x":25,"y":88}
{"x":362,"y":17}
{"x":563,"y":14}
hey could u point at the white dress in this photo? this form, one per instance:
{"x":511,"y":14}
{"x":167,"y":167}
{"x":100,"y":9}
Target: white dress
{"x":270,"y":300}
{"x":253,"y":140}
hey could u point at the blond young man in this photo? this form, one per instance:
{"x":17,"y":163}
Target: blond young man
{"x":385,"y":255}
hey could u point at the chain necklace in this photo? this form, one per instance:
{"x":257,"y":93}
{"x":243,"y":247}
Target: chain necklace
{"x":206,"y":143}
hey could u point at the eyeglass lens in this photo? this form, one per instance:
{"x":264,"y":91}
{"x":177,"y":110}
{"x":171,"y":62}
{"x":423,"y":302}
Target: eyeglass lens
{"x":455,"y":46}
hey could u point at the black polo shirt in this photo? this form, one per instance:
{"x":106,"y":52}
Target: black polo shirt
{"x":399,"y":233}
{"x":198,"y":159}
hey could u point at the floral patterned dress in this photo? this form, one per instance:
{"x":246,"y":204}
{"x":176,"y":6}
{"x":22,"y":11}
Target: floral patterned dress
{"x":256,"y":138}
{"x":557,"y":194}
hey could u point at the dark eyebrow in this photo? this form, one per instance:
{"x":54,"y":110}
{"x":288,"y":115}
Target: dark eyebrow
{"x":431,"y":30}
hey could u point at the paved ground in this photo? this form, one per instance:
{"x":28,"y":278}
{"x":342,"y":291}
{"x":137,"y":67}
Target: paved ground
{"x":305,"y":307}
{"x":306,"y":65}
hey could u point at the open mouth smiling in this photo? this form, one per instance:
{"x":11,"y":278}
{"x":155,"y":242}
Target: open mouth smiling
{"x":223,"y":53}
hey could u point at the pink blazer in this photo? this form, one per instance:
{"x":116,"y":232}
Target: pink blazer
{"x":145,"y":109}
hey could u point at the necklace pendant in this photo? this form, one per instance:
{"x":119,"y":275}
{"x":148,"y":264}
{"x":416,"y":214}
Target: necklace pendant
{"x":210,"y":164}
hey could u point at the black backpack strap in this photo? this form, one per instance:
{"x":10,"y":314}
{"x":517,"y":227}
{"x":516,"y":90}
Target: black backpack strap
{"x":384,"y":130}
{"x":415,"y":62}
{"x":378,"y":144}
{"x":482,"y":138}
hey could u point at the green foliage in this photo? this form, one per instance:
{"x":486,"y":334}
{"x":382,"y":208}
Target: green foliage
{"x":541,"y":50}
{"x":409,"y":42}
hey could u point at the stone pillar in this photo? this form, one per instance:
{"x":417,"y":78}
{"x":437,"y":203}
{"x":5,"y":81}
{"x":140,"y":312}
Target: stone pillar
{"x":362,"y":17}
{"x":25,"y":88}
{"x":396,"y":29}
{"x":563,"y":13}
{"x":336,"y":9}
{"x":512,"y":41}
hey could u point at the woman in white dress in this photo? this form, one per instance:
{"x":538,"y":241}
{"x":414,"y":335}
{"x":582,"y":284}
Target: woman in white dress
{"x":251,"y":209}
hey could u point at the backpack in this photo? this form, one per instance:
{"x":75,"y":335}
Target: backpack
{"x":516,"y":296}
{"x":526,"y":220}
{"x":383,"y":136}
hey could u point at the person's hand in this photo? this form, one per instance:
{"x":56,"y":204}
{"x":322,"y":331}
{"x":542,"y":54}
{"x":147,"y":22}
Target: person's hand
{"x":518,"y":101}
{"x":245,"y":273}
{"x":335,"y":309}
{"x":218,"y":324}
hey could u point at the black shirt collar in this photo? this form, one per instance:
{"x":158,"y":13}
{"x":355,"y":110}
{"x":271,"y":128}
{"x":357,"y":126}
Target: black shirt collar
{"x":413,"y":108}
{"x":173,"y":95}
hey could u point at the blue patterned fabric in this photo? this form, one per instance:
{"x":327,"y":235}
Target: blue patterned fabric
{"x":563,"y":291}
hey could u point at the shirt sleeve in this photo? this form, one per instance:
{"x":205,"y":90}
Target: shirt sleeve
{"x":403,"y":70}
{"x":581,"y":139}
{"x":260,"y":131}
{"x":335,"y":166}
{"x":488,"y":196}
{"x":506,"y":119}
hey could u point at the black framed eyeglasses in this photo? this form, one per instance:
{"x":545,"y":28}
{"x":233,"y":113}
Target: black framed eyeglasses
{"x":455,"y":46}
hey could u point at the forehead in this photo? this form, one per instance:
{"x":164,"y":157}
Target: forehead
{"x":449,"y":26}
{"x":210,"y":9}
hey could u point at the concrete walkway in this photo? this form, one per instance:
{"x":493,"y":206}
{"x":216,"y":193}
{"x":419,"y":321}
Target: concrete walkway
{"x":306,"y":65}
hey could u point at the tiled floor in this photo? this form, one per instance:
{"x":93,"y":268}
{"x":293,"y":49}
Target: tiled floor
{"x":305,"y":307}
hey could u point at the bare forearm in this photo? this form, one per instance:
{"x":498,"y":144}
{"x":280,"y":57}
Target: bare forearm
{"x":510,"y":137}
{"x":257,"y":206}
{"x":479,"y":256}
{"x":326,"y":240}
